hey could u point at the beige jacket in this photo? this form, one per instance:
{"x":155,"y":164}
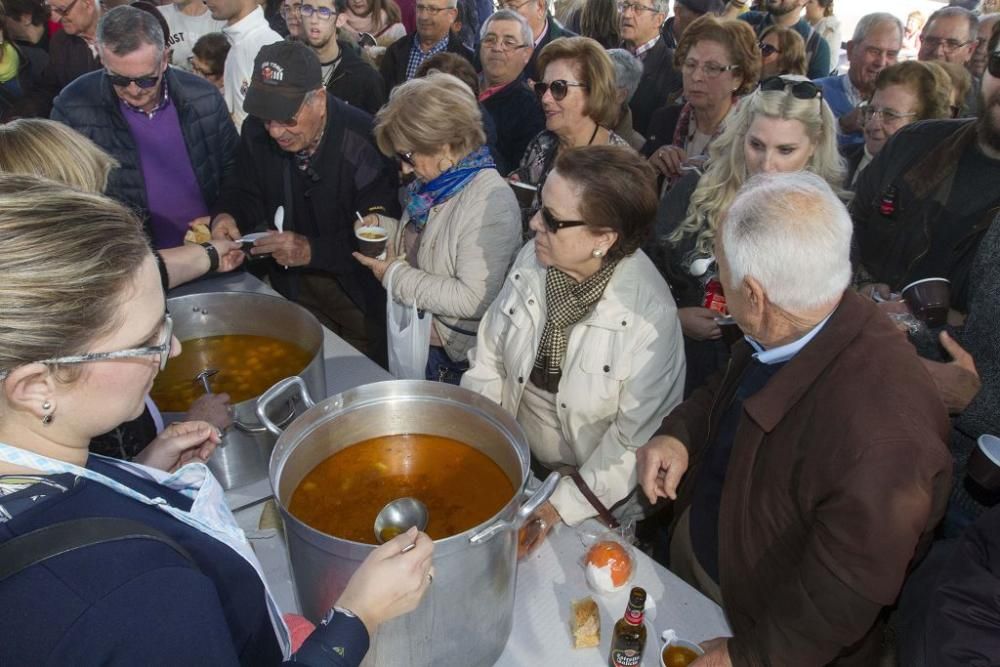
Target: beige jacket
{"x":466,"y":248}
{"x":623,"y":373}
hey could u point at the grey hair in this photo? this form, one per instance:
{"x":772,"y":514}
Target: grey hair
{"x":869,"y":22}
{"x":662,"y":6}
{"x":945,"y":12}
{"x":793,"y":235}
{"x":125,"y":29}
{"x":527,"y":37}
{"x":628,"y":71}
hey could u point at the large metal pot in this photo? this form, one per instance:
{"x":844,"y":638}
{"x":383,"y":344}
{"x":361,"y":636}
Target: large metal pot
{"x":466,"y":617}
{"x":243,"y":456}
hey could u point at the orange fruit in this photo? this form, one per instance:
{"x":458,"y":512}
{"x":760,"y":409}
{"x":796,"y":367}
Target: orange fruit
{"x":613,"y":554}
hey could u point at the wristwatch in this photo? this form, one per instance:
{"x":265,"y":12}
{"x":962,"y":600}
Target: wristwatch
{"x":213,"y":257}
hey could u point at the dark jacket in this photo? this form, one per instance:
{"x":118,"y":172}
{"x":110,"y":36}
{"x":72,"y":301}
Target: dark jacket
{"x":660,"y":85}
{"x":69,"y":58}
{"x":817,"y":50}
{"x":838,"y":474}
{"x":662,"y":125}
{"x":89,"y":105}
{"x":350,"y":175}
{"x":518,"y":116}
{"x":554,"y":32}
{"x":356,"y":82}
{"x":852,"y":154}
{"x":902,"y":197}
{"x":18,"y":103}
{"x":397,"y":57}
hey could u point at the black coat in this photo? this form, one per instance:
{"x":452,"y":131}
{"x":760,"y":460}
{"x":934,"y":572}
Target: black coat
{"x":31,"y":63}
{"x":662,"y":125}
{"x":69,"y":58}
{"x":660,"y":85}
{"x":89,"y":105}
{"x":356,"y":82}
{"x":397,"y":57}
{"x":519,"y":117}
{"x":555,"y":31}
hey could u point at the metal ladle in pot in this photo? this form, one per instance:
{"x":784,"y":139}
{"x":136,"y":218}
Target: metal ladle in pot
{"x":204,"y":376}
{"x":398,"y":517}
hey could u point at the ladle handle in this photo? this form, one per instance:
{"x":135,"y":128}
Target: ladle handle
{"x":279,"y":388}
{"x":530,"y":506}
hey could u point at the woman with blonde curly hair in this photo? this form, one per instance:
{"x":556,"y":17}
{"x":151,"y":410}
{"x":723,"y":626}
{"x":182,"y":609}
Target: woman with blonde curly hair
{"x":783,"y":126}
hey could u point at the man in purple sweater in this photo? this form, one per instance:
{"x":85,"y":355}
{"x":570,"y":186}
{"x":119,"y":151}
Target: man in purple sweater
{"x":170,"y":131}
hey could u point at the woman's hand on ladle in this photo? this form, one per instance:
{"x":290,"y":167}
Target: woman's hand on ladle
{"x":389,"y":582}
{"x":212,"y":408}
{"x":180,"y":443}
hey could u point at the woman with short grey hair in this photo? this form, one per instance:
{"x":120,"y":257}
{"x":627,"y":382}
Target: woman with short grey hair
{"x":628,"y":72}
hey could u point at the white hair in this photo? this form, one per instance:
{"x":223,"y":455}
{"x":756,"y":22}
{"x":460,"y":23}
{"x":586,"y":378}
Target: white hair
{"x":792,"y":234}
{"x":869,"y":22}
{"x":527,"y":37}
{"x":628,"y":71}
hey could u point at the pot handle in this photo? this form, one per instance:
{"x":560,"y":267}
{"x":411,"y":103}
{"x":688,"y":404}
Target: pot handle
{"x":534,"y":501}
{"x":279,"y":388}
{"x":253,"y":429}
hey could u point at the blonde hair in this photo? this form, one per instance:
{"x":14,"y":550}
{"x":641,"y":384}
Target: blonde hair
{"x":425,"y":114}
{"x":727,"y":169}
{"x":54,"y":150}
{"x":594,"y":68}
{"x":67,"y":259}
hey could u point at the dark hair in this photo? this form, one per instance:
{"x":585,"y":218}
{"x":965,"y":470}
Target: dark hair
{"x":125,"y":29}
{"x":932,"y":98}
{"x":617,"y":192}
{"x":213,"y":49}
{"x":736,"y":36}
{"x":600,"y":20}
{"x":827,"y":6}
{"x":15,"y":9}
{"x":454,"y":64}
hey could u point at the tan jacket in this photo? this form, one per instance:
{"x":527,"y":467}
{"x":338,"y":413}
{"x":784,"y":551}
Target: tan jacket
{"x":466,"y":248}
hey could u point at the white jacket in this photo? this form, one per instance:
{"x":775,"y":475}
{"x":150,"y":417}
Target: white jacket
{"x":623,"y":372}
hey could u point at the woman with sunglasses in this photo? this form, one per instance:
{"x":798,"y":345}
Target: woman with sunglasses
{"x":782,"y":51}
{"x":783,"y":126}
{"x":461,"y":226}
{"x":579,"y":98}
{"x":720,"y":61}
{"x":83,"y":333}
{"x":583,"y":345}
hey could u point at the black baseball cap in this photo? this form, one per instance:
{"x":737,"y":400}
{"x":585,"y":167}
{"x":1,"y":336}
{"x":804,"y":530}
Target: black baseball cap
{"x":283,"y":73}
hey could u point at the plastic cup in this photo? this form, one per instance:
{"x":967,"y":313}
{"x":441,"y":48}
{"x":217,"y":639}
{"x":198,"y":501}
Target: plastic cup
{"x":929,"y":300}
{"x":371,"y":240}
{"x":525,"y":193}
{"x":666,"y":658}
{"x":984,"y":463}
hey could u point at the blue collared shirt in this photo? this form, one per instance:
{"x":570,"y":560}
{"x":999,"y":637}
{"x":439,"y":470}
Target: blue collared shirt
{"x":417,"y":57}
{"x":782,"y":353}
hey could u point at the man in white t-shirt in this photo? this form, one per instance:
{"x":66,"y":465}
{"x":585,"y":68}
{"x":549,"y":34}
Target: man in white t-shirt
{"x":247,"y":30}
{"x":188,"y":20}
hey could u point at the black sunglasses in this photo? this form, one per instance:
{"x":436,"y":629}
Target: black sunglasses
{"x":993,"y":64}
{"x":144,"y":82}
{"x":406,"y":157}
{"x":768,"y":50}
{"x":559,"y":88}
{"x":554,"y":225}
{"x":801,"y":90}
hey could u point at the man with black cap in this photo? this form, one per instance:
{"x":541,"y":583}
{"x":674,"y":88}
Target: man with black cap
{"x":306,"y":167}
{"x":660,"y":82}
{"x":685,"y":12}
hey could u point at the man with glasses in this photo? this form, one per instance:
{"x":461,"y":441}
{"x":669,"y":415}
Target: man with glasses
{"x":875,"y":45}
{"x":247,"y":30}
{"x":504,"y":51}
{"x":169,"y":130}
{"x":977,"y":64}
{"x":187,"y":20}
{"x":345,"y":74}
{"x":660,"y":83}
{"x":434,"y":35}
{"x":72,"y":50}
{"x":949,"y":35}
{"x":307,"y":166}
{"x":544,"y":28}
{"x":924,"y":203}
{"x":788,"y":14}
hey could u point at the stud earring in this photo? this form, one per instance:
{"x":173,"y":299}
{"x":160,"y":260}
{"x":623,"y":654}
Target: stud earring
{"x":46,"y":418}
{"x":46,"y":406}
{"x":597,"y":252}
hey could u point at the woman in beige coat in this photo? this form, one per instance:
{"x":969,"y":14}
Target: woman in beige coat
{"x":462,"y":225}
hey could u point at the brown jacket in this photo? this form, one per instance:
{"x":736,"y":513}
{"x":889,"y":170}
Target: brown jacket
{"x":838,"y":474}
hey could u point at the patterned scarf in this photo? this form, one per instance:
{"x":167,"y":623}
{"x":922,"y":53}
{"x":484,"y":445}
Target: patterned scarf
{"x":424,"y":196}
{"x":567,"y":302}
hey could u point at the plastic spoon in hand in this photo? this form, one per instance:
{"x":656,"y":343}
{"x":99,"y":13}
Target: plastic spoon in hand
{"x":398,"y":517}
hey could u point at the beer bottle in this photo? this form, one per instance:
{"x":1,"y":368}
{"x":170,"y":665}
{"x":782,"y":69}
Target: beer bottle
{"x":629,"y":638}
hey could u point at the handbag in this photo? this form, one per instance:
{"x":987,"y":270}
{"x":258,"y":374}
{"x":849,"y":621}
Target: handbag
{"x":408,"y":330}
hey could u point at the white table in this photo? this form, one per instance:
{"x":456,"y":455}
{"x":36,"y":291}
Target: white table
{"x":547,"y":581}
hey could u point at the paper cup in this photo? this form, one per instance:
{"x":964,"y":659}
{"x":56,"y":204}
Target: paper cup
{"x":525,"y":193}
{"x":668,"y":657}
{"x":371,"y":240}
{"x":984,"y":463}
{"x":929,"y":300}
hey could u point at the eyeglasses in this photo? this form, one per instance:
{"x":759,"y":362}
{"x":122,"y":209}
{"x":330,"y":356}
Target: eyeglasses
{"x":406,"y":157}
{"x":433,"y":11}
{"x":559,"y":88}
{"x":711,"y":70}
{"x":144,"y":82}
{"x":491,"y":41}
{"x":801,"y":90}
{"x":635,"y":7}
{"x":554,"y":225}
{"x":287,"y":10}
{"x":889,"y":116}
{"x":947,"y":45}
{"x":64,"y":10}
{"x":163,"y":350}
{"x":993,"y":64}
{"x":768,"y":50}
{"x":325,"y":13}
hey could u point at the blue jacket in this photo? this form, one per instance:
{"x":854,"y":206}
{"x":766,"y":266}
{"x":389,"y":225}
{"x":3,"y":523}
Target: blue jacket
{"x":835,"y":94}
{"x":89,"y":105}
{"x":817,"y":50}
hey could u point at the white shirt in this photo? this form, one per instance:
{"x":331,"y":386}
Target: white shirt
{"x":246,"y":36}
{"x":185,"y":31}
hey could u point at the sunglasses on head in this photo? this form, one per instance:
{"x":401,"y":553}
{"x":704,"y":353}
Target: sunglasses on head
{"x":559,"y":88}
{"x":144,"y":82}
{"x":554,"y":225}
{"x":801,"y":90}
{"x":993,"y":64}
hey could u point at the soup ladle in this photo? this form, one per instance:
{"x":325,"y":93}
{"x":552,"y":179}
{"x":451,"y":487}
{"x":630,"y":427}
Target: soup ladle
{"x":398,"y":517}
{"x":204,"y":376}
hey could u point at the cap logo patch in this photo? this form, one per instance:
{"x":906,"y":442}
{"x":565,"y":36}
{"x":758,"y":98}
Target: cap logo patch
{"x":271,"y":72}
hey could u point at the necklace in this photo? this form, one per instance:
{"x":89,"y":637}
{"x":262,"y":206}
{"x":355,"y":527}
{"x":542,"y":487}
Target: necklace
{"x":592,"y":136}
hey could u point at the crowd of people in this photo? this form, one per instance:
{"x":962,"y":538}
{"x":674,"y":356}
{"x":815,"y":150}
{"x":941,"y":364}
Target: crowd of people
{"x":674,"y":242}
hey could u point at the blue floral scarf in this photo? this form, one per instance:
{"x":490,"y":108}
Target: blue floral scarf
{"x":424,"y":196}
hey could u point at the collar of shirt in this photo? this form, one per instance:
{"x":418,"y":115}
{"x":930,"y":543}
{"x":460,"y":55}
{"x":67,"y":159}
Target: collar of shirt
{"x":853,"y":94}
{"x":542,"y":34}
{"x":641,"y":50}
{"x":164,"y":101}
{"x":440,"y":46}
{"x":245,"y":25}
{"x":782,"y":353}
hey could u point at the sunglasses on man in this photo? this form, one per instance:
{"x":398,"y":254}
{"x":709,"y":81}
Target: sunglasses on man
{"x":559,"y":88}
{"x":144,"y":82}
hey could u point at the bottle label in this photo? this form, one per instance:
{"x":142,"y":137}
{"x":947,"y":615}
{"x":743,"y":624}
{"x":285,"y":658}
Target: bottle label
{"x":628,"y":657}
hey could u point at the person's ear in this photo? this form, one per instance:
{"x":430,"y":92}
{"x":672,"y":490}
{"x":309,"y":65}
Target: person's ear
{"x":341,"y":20}
{"x":30,"y":387}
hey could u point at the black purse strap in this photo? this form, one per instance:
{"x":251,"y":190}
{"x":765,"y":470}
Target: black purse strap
{"x":32,"y":548}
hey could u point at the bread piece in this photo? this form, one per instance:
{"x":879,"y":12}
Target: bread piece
{"x":585,"y":622}
{"x":198,"y":233}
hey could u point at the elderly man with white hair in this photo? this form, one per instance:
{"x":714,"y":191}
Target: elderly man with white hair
{"x":628,"y":72}
{"x":815,"y":469}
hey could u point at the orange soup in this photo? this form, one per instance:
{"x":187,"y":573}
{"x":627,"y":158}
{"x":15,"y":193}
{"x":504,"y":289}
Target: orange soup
{"x":461,"y":486}
{"x":247,"y":366}
{"x":678,"y":656}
